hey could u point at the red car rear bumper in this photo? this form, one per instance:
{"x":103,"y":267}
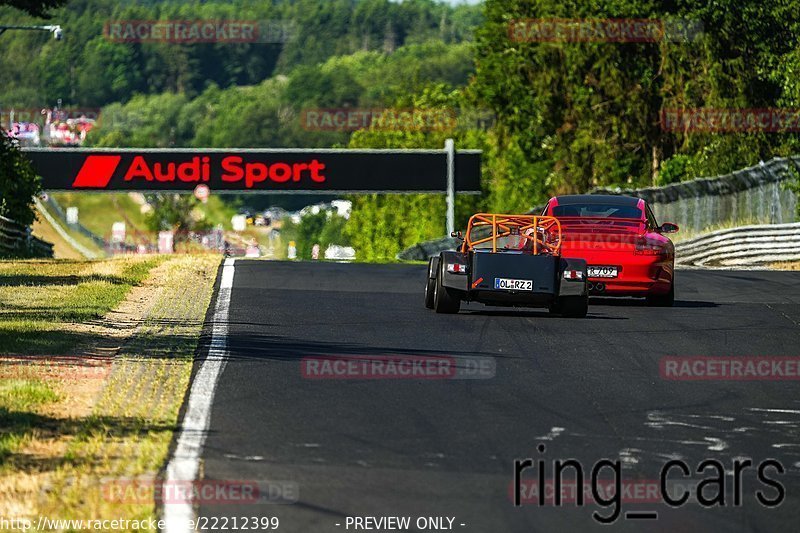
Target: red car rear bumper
{"x":638,"y":275}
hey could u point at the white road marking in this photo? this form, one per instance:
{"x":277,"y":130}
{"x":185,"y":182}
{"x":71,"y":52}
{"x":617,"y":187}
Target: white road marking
{"x":786,"y":411}
{"x":185,"y":463}
{"x":554,"y":432}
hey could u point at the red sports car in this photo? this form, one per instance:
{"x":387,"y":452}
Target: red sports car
{"x":626,"y":250}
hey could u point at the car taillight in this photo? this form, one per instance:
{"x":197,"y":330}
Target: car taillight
{"x":456,"y":268}
{"x":573,"y":274}
{"x":644,"y":247}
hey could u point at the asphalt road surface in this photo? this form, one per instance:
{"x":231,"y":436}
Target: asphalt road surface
{"x":586,"y":389}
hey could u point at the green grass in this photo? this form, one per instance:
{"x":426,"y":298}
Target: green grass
{"x":218,"y":211}
{"x":80,"y":238}
{"x":18,"y":398}
{"x":23,"y":394}
{"x":129,"y":431}
{"x":98,"y":211}
{"x":39,"y":299}
{"x":59,"y":447}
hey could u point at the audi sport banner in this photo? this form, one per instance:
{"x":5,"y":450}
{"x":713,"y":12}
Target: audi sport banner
{"x":257,"y":170}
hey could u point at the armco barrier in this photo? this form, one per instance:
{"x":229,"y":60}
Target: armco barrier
{"x":58,"y":212}
{"x":424,"y":250}
{"x":16,"y":240}
{"x":742,"y":246}
{"x":85,"y":252}
{"x":758,"y":194}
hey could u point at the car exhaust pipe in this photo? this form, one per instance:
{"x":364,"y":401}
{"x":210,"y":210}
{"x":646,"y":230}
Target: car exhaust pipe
{"x":600,"y":287}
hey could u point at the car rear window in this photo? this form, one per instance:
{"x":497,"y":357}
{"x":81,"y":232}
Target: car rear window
{"x":597,"y":210}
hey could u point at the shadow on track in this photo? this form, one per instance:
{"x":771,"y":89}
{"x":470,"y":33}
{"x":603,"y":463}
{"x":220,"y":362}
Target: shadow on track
{"x":535,"y":314}
{"x":255,"y":346}
{"x":640,"y":302}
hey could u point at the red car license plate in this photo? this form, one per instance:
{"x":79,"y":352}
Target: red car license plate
{"x":602,"y":271}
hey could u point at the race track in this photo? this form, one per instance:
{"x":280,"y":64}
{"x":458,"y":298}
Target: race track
{"x":586,"y":389}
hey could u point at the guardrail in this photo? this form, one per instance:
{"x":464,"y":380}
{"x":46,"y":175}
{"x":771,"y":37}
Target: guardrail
{"x":55,"y":208}
{"x":757,"y":194}
{"x":16,"y":240}
{"x":742,"y":246}
{"x":85,"y":252}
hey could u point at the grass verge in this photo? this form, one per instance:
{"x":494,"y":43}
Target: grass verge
{"x":77,"y":236}
{"x":61,"y":248}
{"x":79,"y":430}
{"x":41,"y":301}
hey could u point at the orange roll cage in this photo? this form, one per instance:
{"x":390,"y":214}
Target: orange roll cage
{"x":544,"y":233}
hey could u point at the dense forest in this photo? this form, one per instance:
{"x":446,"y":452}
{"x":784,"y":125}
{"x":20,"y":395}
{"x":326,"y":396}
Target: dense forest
{"x":89,"y":68}
{"x":566,"y":115}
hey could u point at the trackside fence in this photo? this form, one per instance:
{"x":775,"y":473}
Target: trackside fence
{"x":761,"y":194}
{"x":16,"y":240}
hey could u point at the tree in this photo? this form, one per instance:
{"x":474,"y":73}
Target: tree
{"x":592,"y":110}
{"x":380,"y":226}
{"x":18,"y":183}
{"x":36,"y":8}
{"x":175,"y":212}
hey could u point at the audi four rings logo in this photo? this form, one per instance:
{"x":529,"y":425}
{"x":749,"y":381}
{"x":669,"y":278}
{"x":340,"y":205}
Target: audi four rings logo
{"x":97,"y":171}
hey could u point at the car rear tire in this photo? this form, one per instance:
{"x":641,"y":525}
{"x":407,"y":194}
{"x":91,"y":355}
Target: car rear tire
{"x":444,"y":299}
{"x":663,"y":300}
{"x":430,"y":285}
{"x":571,"y":306}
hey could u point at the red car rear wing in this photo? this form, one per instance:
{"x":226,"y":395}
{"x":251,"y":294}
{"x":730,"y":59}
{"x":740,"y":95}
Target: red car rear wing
{"x":604,"y":221}
{"x":539,"y":234}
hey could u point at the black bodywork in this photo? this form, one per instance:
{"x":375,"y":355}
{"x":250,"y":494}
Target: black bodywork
{"x":477,"y":283}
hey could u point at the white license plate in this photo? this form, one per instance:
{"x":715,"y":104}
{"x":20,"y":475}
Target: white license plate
{"x":513,"y":284}
{"x":602,"y":271}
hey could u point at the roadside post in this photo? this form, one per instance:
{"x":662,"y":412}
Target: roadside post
{"x":449,"y":148}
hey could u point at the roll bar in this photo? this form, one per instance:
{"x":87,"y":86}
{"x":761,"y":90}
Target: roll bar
{"x":544,"y":233}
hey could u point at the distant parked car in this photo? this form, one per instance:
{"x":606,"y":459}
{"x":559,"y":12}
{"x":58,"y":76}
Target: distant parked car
{"x":626,"y":250}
